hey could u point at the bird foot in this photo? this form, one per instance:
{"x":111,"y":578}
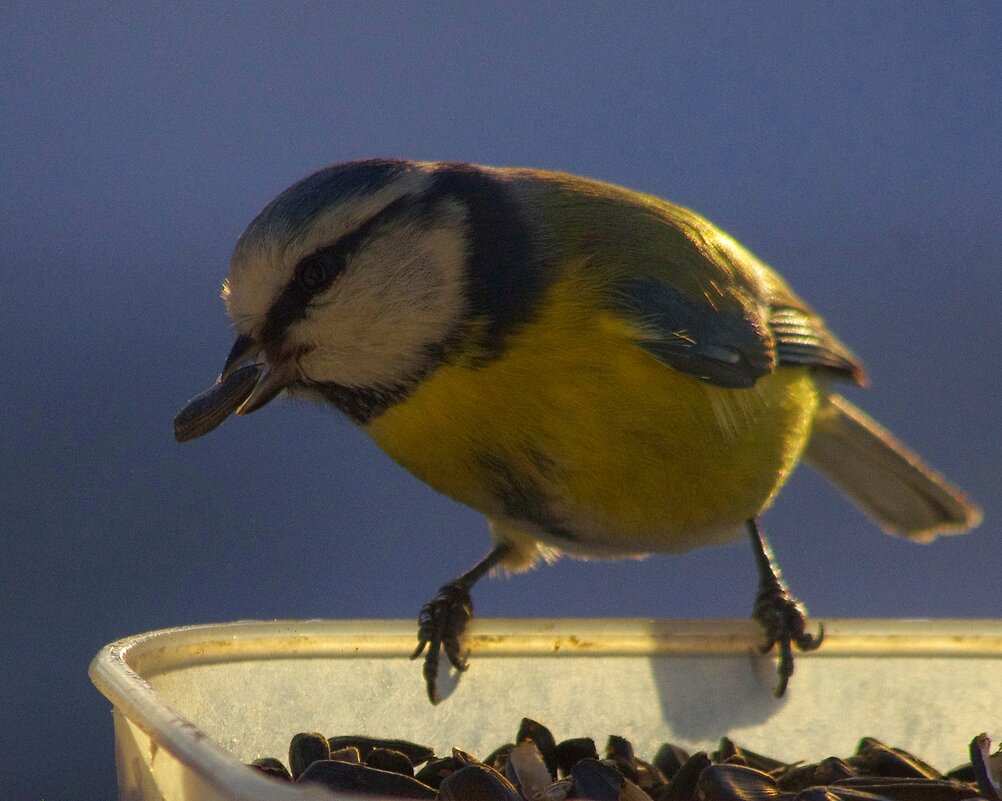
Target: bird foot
{"x":441,"y":624}
{"x":784,"y":620}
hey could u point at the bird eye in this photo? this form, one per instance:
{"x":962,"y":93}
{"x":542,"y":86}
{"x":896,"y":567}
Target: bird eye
{"x":315,"y":273}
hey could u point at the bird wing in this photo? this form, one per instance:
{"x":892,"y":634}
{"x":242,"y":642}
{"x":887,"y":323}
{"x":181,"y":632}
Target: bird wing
{"x":730,"y":349}
{"x":801,"y":338}
{"x":713,"y":310}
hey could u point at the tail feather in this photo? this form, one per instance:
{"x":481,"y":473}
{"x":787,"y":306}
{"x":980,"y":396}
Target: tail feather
{"x":884,"y":477}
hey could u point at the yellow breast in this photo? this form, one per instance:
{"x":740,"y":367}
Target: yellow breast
{"x":588,"y":442}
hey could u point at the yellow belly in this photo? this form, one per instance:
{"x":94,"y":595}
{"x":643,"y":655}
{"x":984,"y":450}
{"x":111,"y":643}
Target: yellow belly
{"x":578,"y":426}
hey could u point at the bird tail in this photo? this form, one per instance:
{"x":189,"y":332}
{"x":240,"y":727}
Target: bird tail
{"x":885,"y":478}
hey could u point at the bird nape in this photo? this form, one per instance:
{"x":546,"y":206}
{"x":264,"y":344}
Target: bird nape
{"x":598,"y":371}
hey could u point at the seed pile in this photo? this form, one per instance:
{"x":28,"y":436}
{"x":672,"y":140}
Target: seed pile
{"x":535,"y":767}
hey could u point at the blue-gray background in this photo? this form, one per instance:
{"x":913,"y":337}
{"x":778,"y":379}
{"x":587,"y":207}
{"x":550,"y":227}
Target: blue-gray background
{"x":854,"y":146}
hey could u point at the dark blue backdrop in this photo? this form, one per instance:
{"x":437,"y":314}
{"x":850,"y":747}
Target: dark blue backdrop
{"x":854,"y":146}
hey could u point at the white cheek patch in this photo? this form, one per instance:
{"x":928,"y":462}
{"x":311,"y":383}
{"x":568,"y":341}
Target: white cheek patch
{"x":402,"y":293}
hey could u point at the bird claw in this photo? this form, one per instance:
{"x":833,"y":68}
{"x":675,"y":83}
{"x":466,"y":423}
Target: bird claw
{"x":441,"y":624}
{"x":784,"y":620}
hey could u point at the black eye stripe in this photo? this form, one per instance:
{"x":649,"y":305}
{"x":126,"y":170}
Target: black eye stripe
{"x":331,"y":260}
{"x":317,"y":271}
{"x":351,"y":241}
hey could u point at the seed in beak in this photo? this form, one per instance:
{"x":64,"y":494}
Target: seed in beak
{"x":206,"y":411}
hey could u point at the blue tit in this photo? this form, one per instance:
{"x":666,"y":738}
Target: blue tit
{"x":600,"y":372}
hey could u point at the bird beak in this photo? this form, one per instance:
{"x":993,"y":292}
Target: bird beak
{"x":244,"y":349}
{"x":242,"y":388}
{"x":277,"y":377}
{"x":268,"y":387}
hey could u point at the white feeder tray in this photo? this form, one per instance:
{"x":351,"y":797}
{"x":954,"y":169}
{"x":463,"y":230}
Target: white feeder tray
{"x":191,"y":705}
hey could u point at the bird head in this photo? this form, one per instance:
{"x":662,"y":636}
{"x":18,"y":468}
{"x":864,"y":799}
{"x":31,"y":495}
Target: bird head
{"x":350,"y":285}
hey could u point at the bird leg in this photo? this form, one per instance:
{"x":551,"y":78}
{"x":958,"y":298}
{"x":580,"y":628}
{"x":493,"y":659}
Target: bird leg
{"x":443,"y":619}
{"x":781,"y":615}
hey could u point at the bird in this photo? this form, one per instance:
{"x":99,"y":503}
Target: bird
{"x":600,"y":372}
